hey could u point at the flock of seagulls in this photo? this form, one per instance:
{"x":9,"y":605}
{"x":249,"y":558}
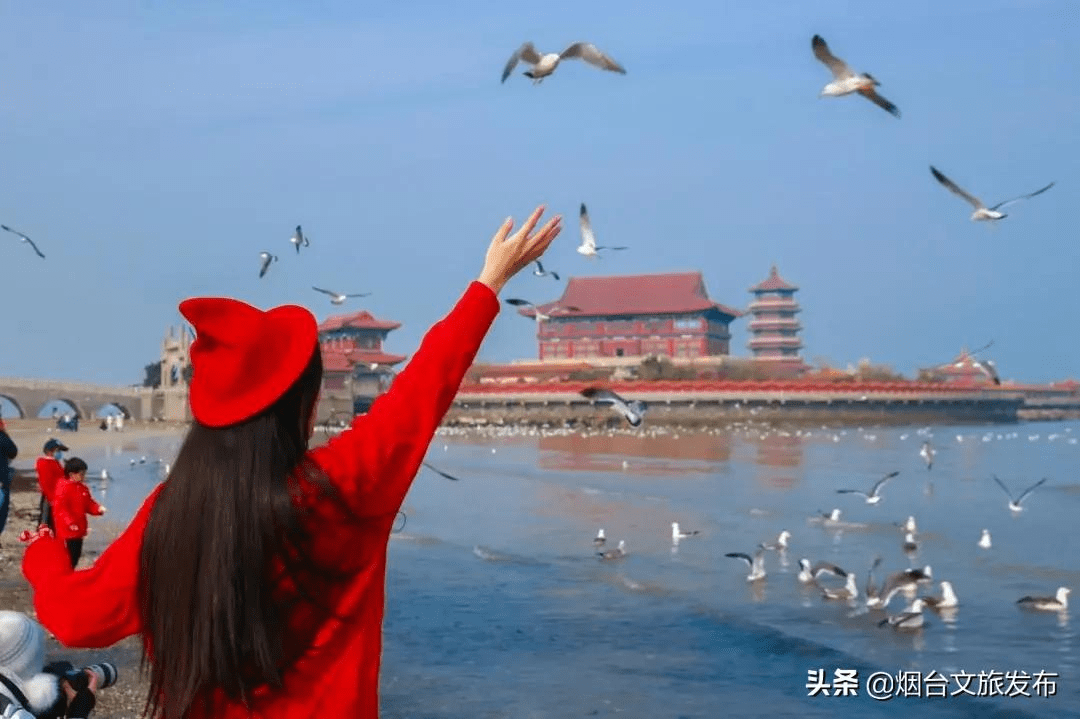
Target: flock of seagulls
{"x":298,"y":240}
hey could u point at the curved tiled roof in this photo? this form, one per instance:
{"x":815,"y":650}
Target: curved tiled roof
{"x":339,"y":361}
{"x":669,"y":293}
{"x":773,"y":282}
{"x":358,"y":320}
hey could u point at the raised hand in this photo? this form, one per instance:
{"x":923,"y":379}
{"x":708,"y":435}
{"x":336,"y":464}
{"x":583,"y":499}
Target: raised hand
{"x":509,"y":254}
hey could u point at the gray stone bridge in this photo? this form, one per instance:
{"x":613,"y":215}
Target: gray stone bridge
{"x":30,"y":395}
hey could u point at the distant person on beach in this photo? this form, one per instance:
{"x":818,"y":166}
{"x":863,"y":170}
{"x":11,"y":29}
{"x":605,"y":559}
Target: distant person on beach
{"x":8,"y":451}
{"x":72,"y":503}
{"x":255,"y":573}
{"x":49,"y":472}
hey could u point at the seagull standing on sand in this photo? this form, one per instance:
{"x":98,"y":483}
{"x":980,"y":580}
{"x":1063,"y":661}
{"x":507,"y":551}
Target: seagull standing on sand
{"x":756,"y":563}
{"x":617,"y":553}
{"x":872,"y":497}
{"x":299,"y":238}
{"x":1057,"y":603}
{"x":544,"y":65}
{"x":588,"y":245}
{"x":676,"y":534}
{"x":910,"y":619}
{"x":633,"y":411}
{"x":265,"y":259}
{"x":541,"y":272}
{"x":984,"y":540}
{"x":982,"y":212}
{"x":1014,"y":504}
{"x":599,"y":539}
{"x":336,"y":298}
{"x":25,"y":239}
{"x":540,"y":316}
{"x":845,"y":81}
{"x":927,"y":453}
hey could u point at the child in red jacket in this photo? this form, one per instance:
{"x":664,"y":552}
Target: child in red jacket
{"x":72,"y":502}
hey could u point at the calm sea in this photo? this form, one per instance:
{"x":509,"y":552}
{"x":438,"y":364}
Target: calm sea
{"x":498,"y":606}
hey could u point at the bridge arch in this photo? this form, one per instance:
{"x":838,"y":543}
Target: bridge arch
{"x":74,"y":406}
{"x":7,"y":402}
{"x":113,"y":407}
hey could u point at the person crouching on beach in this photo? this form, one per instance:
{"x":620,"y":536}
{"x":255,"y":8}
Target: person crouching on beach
{"x":71,"y":504}
{"x":255,"y":574}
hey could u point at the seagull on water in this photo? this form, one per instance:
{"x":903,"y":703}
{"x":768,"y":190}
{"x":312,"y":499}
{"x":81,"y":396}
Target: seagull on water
{"x":265,"y":259}
{"x":299,"y":238}
{"x":336,"y":298}
{"x":588,"y":245}
{"x":982,"y":212}
{"x":872,"y":497}
{"x":947,"y":600}
{"x":599,"y":539}
{"x":544,"y":65}
{"x":845,"y":81}
{"x":756,"y":563}
{"x":909,"y":525}
{"x":781,"y":542}
{"x":910,"y":546}
{"x":905,"y":581}
{"x":617,"y":553}
{"x":809,"y":573}
{"x":846,"y":592}
{"x":984,"y":540}
{"x":541,"y":272}
{"x":676,"y":534}
{"x":927,"y":453}
{"x":1014,"y":503}
{"x":871,"y":590}
{"x":440,"y":472}
{"x":832,"y":517}
{"x":633,"y":411}
{"x":540,"y":316}
{"x":1058,"y":602}
{"x":25,"y":239}
{"x":911,"y":618}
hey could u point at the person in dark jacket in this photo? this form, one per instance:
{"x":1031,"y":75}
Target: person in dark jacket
{"x":8,"y":452}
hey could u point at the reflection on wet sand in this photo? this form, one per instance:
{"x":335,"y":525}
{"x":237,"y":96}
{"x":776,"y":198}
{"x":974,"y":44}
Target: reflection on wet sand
{"x":777,"y":451}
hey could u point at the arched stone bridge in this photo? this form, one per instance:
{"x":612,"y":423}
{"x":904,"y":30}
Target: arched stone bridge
{"x":30,"y":395}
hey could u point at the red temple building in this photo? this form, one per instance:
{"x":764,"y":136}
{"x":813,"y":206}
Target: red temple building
{"x":604,"y":318}
{"x":774,"y":329}
{"x":354,"y":363}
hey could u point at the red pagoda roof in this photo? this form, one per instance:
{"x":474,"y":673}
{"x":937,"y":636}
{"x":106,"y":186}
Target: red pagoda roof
{"x":358,"y":320}
{"x":659,"y":294}
{"x":773,"y":282}
{"x":338,"y":361}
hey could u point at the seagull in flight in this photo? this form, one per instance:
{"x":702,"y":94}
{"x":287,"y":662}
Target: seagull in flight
{"x":633,"y":411}
{"x":540,"y":316}
{"x":990,"y":370}
{"x":873,"y":497}
{"x":336,"y":298}
{"x":544,"y":65}
{"x":809,"y":573}
{"x":588,"y":245}
{"x":440,"y":472}
{"x":541,"y":272}
{"x":265,"y":259}
{"x":24,"y":239}
{"x":299,"y":238}
{"x":982,"y":212}
{"x":1014,"y":503}
{"x":756,"y":563}
{"x":845,"y":81}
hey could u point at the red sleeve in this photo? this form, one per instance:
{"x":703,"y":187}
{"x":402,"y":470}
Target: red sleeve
{"x":106,"y":596}
{"x":89,"y":505}
{"x":61,"y":505}
{"x":374,"y":462}
{"x":49,"y":472}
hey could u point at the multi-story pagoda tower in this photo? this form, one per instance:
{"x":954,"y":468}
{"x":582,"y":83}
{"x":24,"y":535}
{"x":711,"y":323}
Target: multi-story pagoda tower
{"x":774,"y":329}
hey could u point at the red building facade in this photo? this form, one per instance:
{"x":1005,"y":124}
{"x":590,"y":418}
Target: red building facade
{"x":774,"y":329}
{"x":668,"y":315}
{"x":352,"y":350}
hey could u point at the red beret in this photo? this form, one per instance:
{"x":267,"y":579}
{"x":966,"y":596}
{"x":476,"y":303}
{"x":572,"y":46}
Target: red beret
{"x":243,"y":359}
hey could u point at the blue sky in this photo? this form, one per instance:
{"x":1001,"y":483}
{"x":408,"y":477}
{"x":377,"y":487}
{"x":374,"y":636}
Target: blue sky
{"x":153,"y":150}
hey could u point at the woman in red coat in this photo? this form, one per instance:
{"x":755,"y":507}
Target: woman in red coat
{"x":256,"y":572}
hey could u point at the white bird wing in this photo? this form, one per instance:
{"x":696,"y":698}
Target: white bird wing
{"x":883,"y":480}
{"x":598,"y":394}
{"x":520,"y":303}
{"x":1004,"y":488}
{"x":325,"y":292}
{"x":24,"y":239}
{"x":740,"y":555}
{"x":1006,"y":203}
{"x":587,"y":238}
{"x":975,"y":201}
{"x":827,"y":567}
{"x":838,"y":67}
{"x":1029,"y":490}
{"x":592,"y":55}
{"x":527,"y":53}
{"x":851,"y":491}
{"x":359,"y":294}
{"x":872,"y":95}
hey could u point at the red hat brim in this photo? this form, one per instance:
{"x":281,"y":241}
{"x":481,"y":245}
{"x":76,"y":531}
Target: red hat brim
{"x":244,"y":359}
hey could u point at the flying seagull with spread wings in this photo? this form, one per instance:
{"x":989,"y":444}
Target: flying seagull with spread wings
{"x":873,"y":497}
{"x":544,"y":65}
{"x":299,"y":239}
{"x":633,"y":411}
{"x":336,"y":298}
{"x":588,"y":245}
{"x":265,"y":259}
{"x":541,"y":272}
{"x":845,"y":81}
{"x":1014,"y":503}
{"x":540,"y":316}
{"x":982,"y":212}
{"x":25,"y":239}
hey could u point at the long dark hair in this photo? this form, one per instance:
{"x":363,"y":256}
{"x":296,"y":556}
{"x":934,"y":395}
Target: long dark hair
{"x":210,"y":620}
